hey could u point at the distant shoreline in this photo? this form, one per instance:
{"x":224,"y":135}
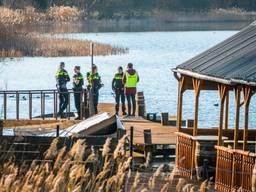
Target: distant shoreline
{"x":66,"y":15}
{"x":131,"y":25}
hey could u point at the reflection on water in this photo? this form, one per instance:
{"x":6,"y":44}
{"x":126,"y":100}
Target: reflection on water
{"x":154,"y":54}
{"x":132,"y":25}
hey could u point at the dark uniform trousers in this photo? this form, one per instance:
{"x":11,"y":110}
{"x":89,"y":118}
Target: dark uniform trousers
{"x":131,"y":98}
{"x":95,"y":94}
{"x":120,"y":95}
{"x":78,"y":100}
{"x":63,"y":96}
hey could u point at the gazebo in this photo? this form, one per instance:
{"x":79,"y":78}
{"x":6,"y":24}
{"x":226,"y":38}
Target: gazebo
{"x":230,"y":66}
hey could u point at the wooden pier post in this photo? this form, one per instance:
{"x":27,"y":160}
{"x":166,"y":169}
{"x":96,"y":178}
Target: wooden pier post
{"x":196,"y":85}
{"x":180,"y":98}
{"x":1,"y":127}
{"x":131,"y":146}
{"x":30,"y":104}
{"x":69,"y":105}
{"x":222,"y":93}
{"x":17,"y":105}
{"x":42,"y":104}
{"x":147,"y":143}
{"x":81,"y":105}
{"x":58,"y":131}
{"x":5,"y":106}
{"x":226,"y":110}
{"x":141,"y":104}
{"x":164,"y":118}
{"x":55,"y":101}
{"x":247,"y":97}
{"x":236,"y":131}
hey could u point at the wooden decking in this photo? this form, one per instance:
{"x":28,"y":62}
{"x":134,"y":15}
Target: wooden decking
{"x":160,"y":134}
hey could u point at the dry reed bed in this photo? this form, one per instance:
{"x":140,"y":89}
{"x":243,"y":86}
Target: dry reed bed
{"x":85,"y":170}
{"x":31,"y":15}
{"x":70,"y":47}
{"x":67,"y":14}
{"x":14,"y":43}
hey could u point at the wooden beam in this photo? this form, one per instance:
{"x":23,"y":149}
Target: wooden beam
{"x":226,"y":110}
{"x":196,"y":85}
{"x":248,"y":92}
{"x":180,"y":99}
{"x":236,"y":131}
{"x":179,"y":110}
{"x":222,"y":93}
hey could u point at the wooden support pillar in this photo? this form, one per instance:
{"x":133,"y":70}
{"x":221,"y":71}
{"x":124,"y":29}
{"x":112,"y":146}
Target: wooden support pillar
{"x":17,"y":105}
{"x":236,"y":131}
{"x":248,"y":92}
{"x":30,"y":104}
{"x":222,"y":92}
{"x":226,"y":110}
{"x":180,"y":98}
{"x":131,"y":146}
{"x":196,"y":85}
{"x":5,"y":106}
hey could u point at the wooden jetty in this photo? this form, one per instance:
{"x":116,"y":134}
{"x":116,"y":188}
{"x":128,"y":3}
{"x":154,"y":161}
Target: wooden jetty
{"x":161,"y":141}
{"x":228,"y":154}
{"x":160,"y":134}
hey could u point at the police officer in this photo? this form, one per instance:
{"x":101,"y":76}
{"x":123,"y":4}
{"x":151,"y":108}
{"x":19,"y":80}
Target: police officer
{"x":62,"y":78}
{"x":118,"y":88}
{"x":130,"y":80}
{"x":78,"y":82}
{"x":94,"y":83}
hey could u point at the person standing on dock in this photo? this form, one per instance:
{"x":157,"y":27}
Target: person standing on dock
{"x":78,"y":82}
{"x":118,"y":88}
{"x":130,"y":80}
{"x":62,"y":78}
{"x":94,"y":83}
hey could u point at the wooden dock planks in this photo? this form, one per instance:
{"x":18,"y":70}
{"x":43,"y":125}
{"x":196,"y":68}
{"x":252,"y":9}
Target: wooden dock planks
{"x":161,"y":135}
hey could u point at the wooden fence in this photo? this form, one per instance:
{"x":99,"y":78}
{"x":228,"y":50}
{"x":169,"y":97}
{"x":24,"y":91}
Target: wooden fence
{"x":234,"y":169}
{"x":184,"y":154}
{"x":42,"y":95}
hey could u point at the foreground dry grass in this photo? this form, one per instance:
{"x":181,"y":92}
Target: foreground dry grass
{"x":83,"y":170}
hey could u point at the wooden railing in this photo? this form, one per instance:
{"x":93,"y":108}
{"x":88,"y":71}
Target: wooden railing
{"x":223,"y":179}
{"x":30,"y":98}
{"x":184,"y":155}
{"x":234,"y":169}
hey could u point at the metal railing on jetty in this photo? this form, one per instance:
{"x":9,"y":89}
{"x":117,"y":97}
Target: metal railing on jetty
{"x":40,"y":97}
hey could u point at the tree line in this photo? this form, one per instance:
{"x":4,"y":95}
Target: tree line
{"x":107,"y":8}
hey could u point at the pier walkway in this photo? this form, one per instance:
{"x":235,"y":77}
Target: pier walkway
{"x":161,"y":135}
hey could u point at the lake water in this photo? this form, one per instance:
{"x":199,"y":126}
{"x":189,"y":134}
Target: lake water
{"x":153,"y":54}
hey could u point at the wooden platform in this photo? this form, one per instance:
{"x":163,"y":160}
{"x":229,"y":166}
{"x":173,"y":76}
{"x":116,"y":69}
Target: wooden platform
{"x":160,"y":134}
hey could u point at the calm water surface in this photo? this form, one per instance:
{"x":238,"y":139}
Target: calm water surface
{"x":153,"y":54}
